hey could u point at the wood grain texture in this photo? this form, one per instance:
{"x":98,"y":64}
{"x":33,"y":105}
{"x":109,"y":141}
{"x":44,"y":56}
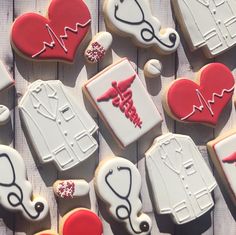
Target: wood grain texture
{"x":219,"y":221}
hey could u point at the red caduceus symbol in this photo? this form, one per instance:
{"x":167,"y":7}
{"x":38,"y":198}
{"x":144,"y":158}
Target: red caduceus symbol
{"x":230,"y":159}
{"x":121,"y":97}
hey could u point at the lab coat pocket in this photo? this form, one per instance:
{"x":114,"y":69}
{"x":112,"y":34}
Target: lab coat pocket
{"x":213,"y":40}
{"x":63,"y":157}
{"x":86,"y":143}
{"x":181,"y":211}
{"x":231,"y":27}
{"x":204,"y":199}
{"x":189,"y":167}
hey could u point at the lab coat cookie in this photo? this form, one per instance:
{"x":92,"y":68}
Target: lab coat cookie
{"x":15,"y":190}
{"x":123,"y":103}
{"x":118,"y":183}
{"x":56,"y":37}
{"x":214,"y":30}
{"x":58,"y":128}
{"x":133,"y":18}
{"x":181,"y":182}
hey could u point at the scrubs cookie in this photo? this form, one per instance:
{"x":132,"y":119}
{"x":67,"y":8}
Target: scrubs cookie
{"x":56,"y":37}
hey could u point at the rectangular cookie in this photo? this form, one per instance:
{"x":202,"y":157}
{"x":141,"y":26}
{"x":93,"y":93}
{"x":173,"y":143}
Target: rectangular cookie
{"x":223,"y":154}
{"x":122,"y":102}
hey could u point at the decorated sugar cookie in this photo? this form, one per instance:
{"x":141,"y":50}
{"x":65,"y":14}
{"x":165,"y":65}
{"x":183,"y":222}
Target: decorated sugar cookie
{"x":123,"y":103}
{"x":152,"y":69}
{"x":78,"y":222}
{"x":133,"y":18}
{"x":118,"y":183}
{"x":98,"y":47}
{"x":214,"y":31}
{"x":4,"y":115}
{"x":69,"y":189}
{"x":201,"y":101}
{"x":223,"y":154}
{"x":15,"y":190}
{"x":181,"y":182}
{"x":5,"y":78}
{"x":59,"y":130}
{"x":56,"y":37}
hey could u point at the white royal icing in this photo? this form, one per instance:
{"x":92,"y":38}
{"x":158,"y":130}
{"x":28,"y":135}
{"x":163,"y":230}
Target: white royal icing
{"x":180,"y":180}
{"x":5,"y":78}
{"x":69,"y":189}
{"x":4,"y":114}
{"x":58,"y":128}
{"x":15,"y":190}
{"x":134,"y":18}
{"x":215,"y":30}
{"x":153,"y":68}
{"x":118,"y":183}
{"x":98,"y":47}
{"x":126,"y":106}
{"x":224,"y":149}
{"x":59,"y":39}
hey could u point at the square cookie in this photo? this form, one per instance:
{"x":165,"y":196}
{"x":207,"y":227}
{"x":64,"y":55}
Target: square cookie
{"x":122,"y":102}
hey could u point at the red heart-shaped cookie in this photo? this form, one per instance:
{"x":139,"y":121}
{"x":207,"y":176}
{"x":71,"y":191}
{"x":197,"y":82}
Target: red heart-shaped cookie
{"x":56,"y":37}
{"x":79,"y":222}
{"x":204,"y":101}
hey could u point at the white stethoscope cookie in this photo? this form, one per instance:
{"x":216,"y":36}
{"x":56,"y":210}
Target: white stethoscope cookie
{"x":118,"y":183}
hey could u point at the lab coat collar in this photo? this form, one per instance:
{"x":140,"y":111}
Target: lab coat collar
{"x":173,"y":162}
{"x":44,"y":98}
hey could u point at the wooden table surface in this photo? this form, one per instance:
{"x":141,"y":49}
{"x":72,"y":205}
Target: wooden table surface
{"x":220,"y":221}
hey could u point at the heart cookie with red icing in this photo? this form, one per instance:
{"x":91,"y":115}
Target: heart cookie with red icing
{"x":201,"y":101}
{"x":56,"y":37}
{"x":78,"y":222}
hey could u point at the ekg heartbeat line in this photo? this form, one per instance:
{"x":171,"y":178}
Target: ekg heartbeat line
{"x":59,"y":39}
{"x":206,"y":103}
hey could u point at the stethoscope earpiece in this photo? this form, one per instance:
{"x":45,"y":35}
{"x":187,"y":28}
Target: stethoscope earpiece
{"x":39,"y":207}
{"x":144,"y":226}
{"x":173,"y":37}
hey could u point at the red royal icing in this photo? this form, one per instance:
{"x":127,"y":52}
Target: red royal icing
{"x":96,"y":53}
{"x":80,"y":222}
{"x":202,"y":103}
{"x":231,"y":158}
{"x":56,"y":37}
{"x":121,"y":97}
